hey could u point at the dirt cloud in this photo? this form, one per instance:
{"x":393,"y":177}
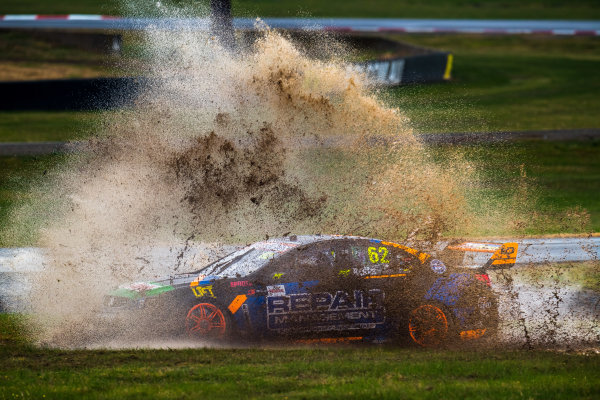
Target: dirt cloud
{"x":233,"y":147}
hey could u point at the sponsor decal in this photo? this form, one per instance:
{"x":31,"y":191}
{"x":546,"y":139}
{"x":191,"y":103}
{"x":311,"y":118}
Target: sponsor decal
{"x":507,"y":250}
{"x":203,"y":291}
{"x":198,"y":279}
{"x":359,"y":254}
{"x":378,"y":255}
{"x":267,"y":255}
{"x":251,"y":292}
{"x":237,"y":303}
{"x":141,"y":289}
{"x":277,"y":275}
{"x":384,"y":276}
{"x":326,"y":311}
{"x":507,"y":255}
{"x":383,"y":270}
{"x":485,"y":278}
{"x":484,"y":305}
{"x":275,"y":290}
{"x":437,"y":266}
{"x":472,"y":334}
{"x":344,"y":272}
{"x":240,"y":284}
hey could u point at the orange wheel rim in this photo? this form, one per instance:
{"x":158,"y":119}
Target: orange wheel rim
{"x":205,"y":320}
{"x":428,"y":325}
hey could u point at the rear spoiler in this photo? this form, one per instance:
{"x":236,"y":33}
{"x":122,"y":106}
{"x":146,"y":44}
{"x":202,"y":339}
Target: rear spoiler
{"x":504,"y":255}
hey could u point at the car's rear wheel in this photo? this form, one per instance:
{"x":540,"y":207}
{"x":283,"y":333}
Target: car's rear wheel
{"x":207,"y":321}
{"x":430,"y":326}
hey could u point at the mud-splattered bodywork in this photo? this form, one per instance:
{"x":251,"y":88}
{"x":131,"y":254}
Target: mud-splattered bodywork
{"x":322,"y":289}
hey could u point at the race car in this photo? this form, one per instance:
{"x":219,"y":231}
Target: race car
{"x":328,"y":289}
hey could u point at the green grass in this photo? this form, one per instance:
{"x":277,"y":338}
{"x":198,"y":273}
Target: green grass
{"x":18,"y":175}
{"x":27,"y":55}
{"x":499,"y":83}
{"x":40,"y":126}
{"x":564,"y":178}
{"x":507,"y":83}
{"x":493,"y":9}
{"x":108,"y":7}
{"x":371,"y":372}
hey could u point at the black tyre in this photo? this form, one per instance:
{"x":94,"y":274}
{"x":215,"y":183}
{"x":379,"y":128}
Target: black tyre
{"x":431,"y":325}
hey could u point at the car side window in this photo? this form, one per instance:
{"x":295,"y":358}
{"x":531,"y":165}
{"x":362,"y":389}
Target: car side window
{"x":305,"y":263}
{"x":314,"y":261}
{"x":280,"y":269}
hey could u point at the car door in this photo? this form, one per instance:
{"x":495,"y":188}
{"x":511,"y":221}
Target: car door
{"x":357,"y":307}
{"x":287,"y":283}
{"x":397,"y":272}
{"x":320,"y":295}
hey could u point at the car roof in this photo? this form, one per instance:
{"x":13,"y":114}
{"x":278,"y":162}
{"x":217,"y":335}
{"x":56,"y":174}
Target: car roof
{"x":309,"y":239}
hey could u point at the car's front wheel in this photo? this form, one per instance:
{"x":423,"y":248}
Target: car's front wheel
{"x":206,"y":321}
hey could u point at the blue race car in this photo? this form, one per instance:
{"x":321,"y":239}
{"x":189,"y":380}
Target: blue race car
{"x":326,"y":289}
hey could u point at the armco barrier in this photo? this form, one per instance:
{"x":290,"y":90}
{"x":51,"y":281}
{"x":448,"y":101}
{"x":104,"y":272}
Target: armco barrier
{"x":405,"y":64}
{"x":425,"y":68}
{"x":111,"y":93}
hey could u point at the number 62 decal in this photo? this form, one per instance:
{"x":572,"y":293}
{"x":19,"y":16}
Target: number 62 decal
{"x":378,"y":255}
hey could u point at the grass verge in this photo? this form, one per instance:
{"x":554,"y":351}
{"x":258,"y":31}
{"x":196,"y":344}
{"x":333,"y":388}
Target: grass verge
{"x":492,"y":9}
{"x":338,"y":373}
{"x":500,"y":83}
{"x":18,"y":175}
{"x":503,"y":83}
{"x":43,"y":126}
{"x":562,"y":179}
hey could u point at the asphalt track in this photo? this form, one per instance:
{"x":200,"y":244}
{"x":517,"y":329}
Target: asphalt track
{"x":101,"y":22}
{"x":42,"y":148}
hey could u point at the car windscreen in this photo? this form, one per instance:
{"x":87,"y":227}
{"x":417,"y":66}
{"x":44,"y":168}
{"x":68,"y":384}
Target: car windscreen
{"x":245,"y":261}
